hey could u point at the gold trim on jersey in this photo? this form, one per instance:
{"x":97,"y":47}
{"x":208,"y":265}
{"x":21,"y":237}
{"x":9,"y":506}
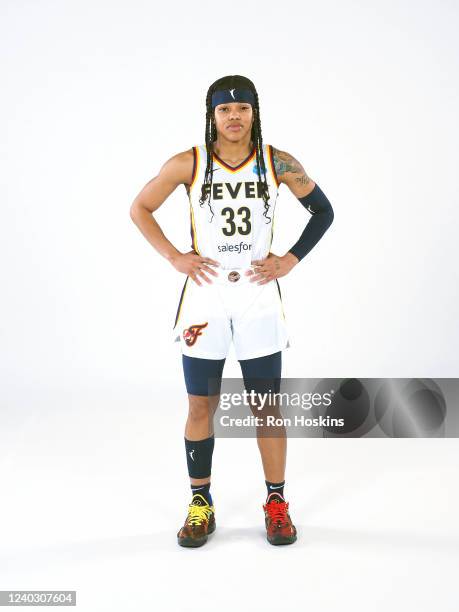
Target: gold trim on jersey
{"x":197,"y":163}
{"x":182,"y":296}
{"x":280,"y":297}
{"x":194,"y":239}
{"x":276,"y":182}
{"x":242,"y":165}
{"x":271,"y":164}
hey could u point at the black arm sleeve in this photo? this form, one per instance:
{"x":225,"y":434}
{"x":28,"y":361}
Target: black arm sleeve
{"x":321,"y":210}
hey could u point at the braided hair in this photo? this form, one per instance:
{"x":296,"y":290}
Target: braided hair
{"x":228,"y":82}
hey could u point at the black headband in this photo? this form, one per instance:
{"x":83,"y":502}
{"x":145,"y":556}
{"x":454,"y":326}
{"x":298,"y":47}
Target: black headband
{"x":232,"y":95}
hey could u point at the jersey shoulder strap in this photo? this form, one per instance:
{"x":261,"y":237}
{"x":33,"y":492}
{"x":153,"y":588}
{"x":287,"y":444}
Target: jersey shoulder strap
{"x":197,"y":164}
{"x":269,"y":163}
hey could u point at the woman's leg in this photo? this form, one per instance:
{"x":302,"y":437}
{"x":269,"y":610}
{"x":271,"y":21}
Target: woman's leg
{"x":263,"y":374}
{"x":203,"y":396}
{"x":203,"y":382}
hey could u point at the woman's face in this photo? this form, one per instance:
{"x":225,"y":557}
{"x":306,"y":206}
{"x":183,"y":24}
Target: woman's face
{"x":234,"y":120}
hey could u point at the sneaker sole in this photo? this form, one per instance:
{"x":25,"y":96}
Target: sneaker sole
{"x":195,"y":542}
{"x":282,"y":541}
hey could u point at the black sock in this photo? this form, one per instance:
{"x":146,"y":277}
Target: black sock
{"x":275,"y":487}
{"x":202,"y":490}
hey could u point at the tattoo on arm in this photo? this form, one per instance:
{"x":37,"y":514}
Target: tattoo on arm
{"x":283,"y":162}
{"x":303,"y":179}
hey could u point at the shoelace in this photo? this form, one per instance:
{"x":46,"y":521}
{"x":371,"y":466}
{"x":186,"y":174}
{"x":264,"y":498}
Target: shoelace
{"x":198,"y":514}
{"x":277,"y":511}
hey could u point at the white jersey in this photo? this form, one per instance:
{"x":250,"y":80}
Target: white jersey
{"x":237,"y":232}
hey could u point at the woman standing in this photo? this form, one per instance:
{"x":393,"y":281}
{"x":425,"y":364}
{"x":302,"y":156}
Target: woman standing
{"x":231,"y":293}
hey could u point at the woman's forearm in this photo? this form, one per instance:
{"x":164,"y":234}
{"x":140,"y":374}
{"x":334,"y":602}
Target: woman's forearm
{"x":150,"y":228}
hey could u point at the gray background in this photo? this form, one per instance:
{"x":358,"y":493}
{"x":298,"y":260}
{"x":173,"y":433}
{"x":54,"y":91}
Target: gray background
{"x":96,"y":97}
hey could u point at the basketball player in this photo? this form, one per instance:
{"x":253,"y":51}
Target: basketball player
{"x":231,"y":292}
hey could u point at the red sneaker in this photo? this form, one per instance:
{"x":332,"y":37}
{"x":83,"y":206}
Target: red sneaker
{"x":279,"y":526}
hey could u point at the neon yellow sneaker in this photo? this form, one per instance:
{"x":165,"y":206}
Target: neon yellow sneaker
{"x":199,"y":523}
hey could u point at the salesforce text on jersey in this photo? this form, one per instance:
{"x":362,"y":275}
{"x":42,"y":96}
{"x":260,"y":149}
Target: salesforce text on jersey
{"x":234,"y":248}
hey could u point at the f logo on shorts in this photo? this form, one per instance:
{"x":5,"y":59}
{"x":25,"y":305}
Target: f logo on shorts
{"x":190,"y":335}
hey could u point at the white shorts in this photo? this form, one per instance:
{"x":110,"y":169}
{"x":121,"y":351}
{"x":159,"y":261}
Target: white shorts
{"x":232,"y":308}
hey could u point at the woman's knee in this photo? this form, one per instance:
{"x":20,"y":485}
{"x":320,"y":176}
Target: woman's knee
{"x":201,"y":407}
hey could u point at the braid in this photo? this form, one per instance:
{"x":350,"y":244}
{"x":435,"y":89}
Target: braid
{"x":211,"y":136}
{"x":257,"y":138}
{"x":209,"y":140}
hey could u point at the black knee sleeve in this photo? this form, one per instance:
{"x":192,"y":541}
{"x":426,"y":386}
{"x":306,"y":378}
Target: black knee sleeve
{"x":199,"y":457}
